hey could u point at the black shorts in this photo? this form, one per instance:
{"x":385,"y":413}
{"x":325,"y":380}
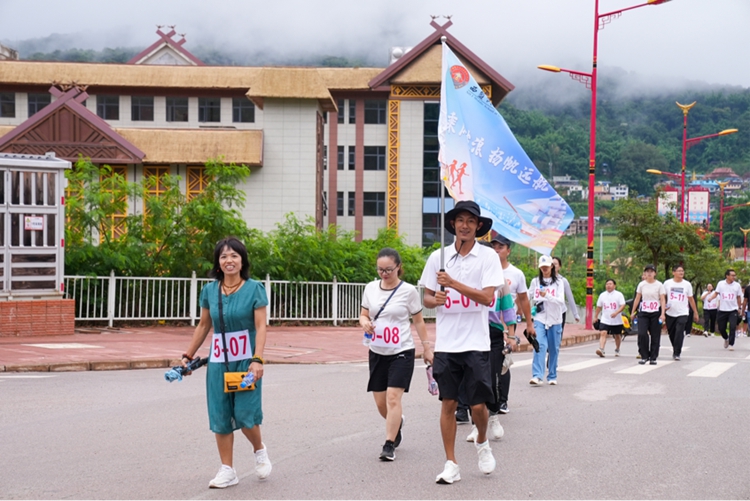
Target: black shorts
{"x":611,"y":329}
{"x":391,"y":371}
{"x":470,"y":367}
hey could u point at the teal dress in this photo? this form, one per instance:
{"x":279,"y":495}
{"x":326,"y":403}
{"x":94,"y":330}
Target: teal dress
{"x":228,"y":412}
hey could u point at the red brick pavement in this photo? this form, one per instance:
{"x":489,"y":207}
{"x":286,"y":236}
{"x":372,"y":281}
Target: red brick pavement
{"x":161,"y":346}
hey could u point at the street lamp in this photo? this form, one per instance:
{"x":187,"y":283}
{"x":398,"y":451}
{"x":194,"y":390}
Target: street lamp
{"x":722,"y":210}
{"x":589,"y":80}
{"x":744,"y":245}
{"x":687,"y":143}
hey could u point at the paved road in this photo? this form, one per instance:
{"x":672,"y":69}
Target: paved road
{"x":610,"y":429}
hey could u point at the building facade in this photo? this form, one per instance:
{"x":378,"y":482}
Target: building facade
{"x":355,"y":147}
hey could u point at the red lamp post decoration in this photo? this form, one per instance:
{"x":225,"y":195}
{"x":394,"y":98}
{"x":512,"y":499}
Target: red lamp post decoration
{"x":589,"y":80}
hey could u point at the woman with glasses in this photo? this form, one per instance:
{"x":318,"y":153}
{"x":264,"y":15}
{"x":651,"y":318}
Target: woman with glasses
{"x":387,"y":305}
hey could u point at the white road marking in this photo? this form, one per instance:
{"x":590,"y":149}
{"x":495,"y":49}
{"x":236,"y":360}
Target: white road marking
{"x":63,"y":346}
{"x":30,"y":376}
{"x":522,"y":363}
{"x":642,"y":369}
{"x":585,"y":364}
{"x":714,"y":369}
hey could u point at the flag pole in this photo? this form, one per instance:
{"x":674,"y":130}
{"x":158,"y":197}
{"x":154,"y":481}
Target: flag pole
{"x":443,"y":39}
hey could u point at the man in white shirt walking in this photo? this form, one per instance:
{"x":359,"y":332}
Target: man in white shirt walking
{"x":729,"y":293}
{"x":461,"y":294}
{"x":679,"y":294}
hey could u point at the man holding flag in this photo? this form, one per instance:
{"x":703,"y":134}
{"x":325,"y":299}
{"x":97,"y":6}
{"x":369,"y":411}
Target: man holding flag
{"x":461,"y":291}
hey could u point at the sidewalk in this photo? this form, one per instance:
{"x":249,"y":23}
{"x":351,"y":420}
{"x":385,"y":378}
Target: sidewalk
{"x":161,"y":346}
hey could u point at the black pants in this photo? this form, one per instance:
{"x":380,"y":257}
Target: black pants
{"x":500,"y":382}
{"x":648,"y":324}
{"x":676,"y":330}
{"x":722,"y":319}
{"x":709,"y":321}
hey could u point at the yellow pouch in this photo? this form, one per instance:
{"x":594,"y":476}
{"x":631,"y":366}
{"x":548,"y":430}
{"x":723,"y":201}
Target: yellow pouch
{"x":625,"y":322}
{"x":232,"y":382}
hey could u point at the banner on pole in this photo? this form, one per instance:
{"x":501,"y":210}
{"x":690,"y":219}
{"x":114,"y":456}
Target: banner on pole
{"x":698,"y":206}
{"x":481,"y":160}
{"x":666,"y":202}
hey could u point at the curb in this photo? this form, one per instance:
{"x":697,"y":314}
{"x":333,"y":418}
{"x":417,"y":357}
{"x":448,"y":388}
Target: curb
{"x":160,"y":363}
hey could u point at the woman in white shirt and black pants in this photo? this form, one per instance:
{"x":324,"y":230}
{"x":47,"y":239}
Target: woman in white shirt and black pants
{"x":650,"y":297}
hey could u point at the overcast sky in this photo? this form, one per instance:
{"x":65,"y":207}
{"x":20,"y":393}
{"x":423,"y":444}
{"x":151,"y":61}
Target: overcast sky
{"x":698,"y":40}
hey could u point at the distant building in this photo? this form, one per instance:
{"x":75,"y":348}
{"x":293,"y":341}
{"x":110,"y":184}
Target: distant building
{"x":6,"y":53}
{"x":722,"y":173}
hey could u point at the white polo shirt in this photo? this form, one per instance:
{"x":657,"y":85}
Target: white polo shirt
{"x":610,"y":302}
{"x":462,"y":324}
{"x":677,"y":297}
{"x":392,"y":328}
{"x":728,"y":294}
{"x":516,"y":281}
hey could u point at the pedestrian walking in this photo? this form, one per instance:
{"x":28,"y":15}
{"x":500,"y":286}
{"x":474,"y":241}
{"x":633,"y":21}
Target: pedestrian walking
{"x":709,"y":311}
{"x":610,"y":304}
{"x":745,"y":310}
{"x":649,"y":305}
{"x":729,"y":293}
{"x":461,"y":295}
{"x":547,"y":294}
{"x":236,"y":307}
{"x":680,"y":306}
{"x":387,"y":306}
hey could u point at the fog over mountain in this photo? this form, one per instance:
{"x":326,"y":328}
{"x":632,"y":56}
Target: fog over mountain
{"x":682,"y":44}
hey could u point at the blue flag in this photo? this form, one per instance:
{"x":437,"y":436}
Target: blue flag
{"x":481,"y":160}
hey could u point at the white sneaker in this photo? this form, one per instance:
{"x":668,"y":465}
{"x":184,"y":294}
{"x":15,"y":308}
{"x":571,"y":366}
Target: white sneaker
{"x":731,"y":348}
{"x":486,"y":459}
{"x":600,"y":352}
{"x":262,"y":463}
{"x":535,"y":381}
{"x":495,"y":429}
{"x":472,"y":437}
{"x":552,"y":382}
{"x":451,"y":473}
{"x":226,"y":477}
{"x":617,"y":353}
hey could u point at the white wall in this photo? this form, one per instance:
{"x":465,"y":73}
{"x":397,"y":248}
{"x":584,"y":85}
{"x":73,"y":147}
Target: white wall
{"x":411,"y":165}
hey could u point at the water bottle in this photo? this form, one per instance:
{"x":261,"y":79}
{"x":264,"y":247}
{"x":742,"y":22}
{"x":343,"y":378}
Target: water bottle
{"x":432,"y":385}
{"x":367,"y":339}
{"x":248,"y":380}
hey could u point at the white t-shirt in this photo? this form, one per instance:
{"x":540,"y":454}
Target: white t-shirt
{"x":650,"y":294}
{"x":610,"y":302}
{"x":728,"y":294}
{"x":554,"y":300}
{"x":677,"y":297}
{"x":709,"y":305}
{"x":392,"y":328}
{"x":462,"y":324}
{"x":516,"y":281}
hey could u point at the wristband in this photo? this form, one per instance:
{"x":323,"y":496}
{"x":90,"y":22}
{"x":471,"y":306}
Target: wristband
{"x":185,"y":355}
{"x":257,"y":359}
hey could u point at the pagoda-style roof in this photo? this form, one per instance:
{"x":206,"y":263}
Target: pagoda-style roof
{"x":69,"y":129}
{"x":166,"y":51}
{"x":423,"y":65}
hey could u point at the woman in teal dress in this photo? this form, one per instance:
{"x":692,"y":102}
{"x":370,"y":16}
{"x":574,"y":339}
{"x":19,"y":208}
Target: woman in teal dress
{"x":243,"y":304}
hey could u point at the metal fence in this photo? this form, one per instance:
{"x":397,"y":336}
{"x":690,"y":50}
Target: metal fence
{"x":113,"y":299}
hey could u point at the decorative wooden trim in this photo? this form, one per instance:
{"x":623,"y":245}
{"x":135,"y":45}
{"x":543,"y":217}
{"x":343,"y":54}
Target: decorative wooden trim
{"x":115,"y":224}
{"x":425,"y":91}
{"x":158,"y":188}
{"x":394,"y":119}
{"x":196,"y":181}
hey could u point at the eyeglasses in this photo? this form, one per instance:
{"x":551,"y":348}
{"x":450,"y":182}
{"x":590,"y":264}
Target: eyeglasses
{"x":387,"y":271}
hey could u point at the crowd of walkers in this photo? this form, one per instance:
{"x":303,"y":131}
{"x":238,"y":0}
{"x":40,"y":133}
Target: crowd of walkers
{"x":481,"y":302}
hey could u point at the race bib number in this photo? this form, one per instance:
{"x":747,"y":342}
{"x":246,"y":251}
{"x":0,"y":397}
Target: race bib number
{"x":458,"y":303}
{"x":727,"y":296}
{"x":610,"y":306}
{"x":386,"y":336}
{"x":538,"y":295}
{"x":649,"y":306}
{"x":677,"y":297}
{"x":239,"y":346}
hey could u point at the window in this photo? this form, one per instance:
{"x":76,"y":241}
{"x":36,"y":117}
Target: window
{"x":177,"y":109}
{"x":352,"y":111}
{"x":142,"y":109}
{"x":339,"y":203}
{"x":340,"y":105}
{"x":209,"y":109}
{"x":374,"y":203}
{"x":352,"y":154}
{"x":7,"y":105}
{"x":340,"y":159}
{"x":325,"y":157}
{"x":37,"y":102}
{"x":108,"y":107}
{"x":243,"y":110}
{"x":325,"y":203}
{"x":352,"y":201}
{"x":115,"y":226}
{"x":375,"y":111}
{"x":374,"y":157}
